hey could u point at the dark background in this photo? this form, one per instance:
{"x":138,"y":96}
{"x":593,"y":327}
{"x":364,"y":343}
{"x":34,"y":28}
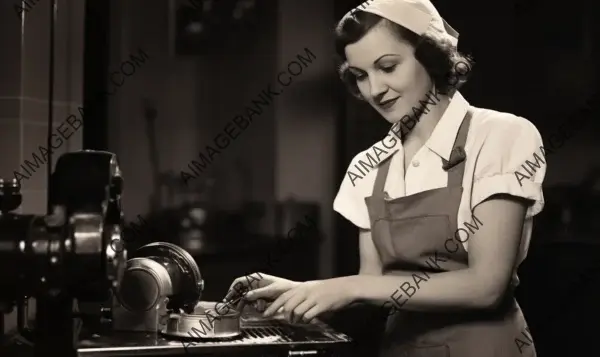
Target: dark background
{"x":535,"y":59}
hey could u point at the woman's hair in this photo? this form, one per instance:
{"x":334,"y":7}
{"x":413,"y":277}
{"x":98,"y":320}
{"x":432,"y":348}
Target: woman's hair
{"x":448,"y":68}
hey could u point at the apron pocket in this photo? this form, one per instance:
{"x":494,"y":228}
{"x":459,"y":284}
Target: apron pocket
{"x":410,"y":237}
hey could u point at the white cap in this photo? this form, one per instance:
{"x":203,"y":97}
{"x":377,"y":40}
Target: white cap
{"x":419,"y":16}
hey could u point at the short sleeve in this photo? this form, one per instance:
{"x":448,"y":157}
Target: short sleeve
{"x":350,"y":199}
{"x":511,"y":161}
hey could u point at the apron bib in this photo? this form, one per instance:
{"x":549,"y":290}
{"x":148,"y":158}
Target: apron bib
{"x":411,"y":235}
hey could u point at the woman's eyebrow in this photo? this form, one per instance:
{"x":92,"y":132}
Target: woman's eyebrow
{"x":380,"y":58}
{"x":386,"y":55}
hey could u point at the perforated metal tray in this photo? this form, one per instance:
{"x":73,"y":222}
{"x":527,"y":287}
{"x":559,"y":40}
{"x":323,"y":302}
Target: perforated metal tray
{"x":257,"y":335}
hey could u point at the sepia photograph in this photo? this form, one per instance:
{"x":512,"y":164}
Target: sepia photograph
{"x":278,"y":178}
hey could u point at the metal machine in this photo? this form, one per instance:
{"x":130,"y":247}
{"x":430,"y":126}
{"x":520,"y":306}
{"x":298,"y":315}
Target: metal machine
{"x":67,"y":255}
{"x":150,"y":304}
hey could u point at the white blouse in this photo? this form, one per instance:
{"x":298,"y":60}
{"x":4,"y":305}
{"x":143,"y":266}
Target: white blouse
{"x":505,"y":154}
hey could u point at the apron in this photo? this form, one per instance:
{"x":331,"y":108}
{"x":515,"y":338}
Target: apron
{"x":410,"y":234}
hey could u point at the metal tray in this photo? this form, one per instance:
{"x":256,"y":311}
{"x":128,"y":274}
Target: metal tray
{"x":210,"y":320}
{"x":258,"y":336}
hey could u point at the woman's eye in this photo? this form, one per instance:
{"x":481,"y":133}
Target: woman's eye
{"x":358,"y":76}
{"x":388,"y":69}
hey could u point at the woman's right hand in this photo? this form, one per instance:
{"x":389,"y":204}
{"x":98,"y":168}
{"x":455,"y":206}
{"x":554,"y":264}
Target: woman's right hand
{"x":263,"y":286}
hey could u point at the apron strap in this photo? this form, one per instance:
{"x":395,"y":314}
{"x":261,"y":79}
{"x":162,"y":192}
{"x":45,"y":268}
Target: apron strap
{"x":382,"y":173}
{"x":456,"y":165}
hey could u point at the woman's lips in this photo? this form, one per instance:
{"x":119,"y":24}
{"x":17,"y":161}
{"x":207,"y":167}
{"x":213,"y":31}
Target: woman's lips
{"x":388,"y":103}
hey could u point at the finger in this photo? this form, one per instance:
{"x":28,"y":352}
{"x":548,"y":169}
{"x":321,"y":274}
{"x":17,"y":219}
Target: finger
{"x":278,"y":303}
{"x":254,"y":279}
{"x":222,"y":308}
{"x":267,"y":292}
{"x":231,"y":303}
{"x":243,"y":286}
{"x":233,"y":290}
{"x":262,"y":305}
{"x":291,"y":305}
{"x":235,"y":305}
{"x":312,"y":313}
{"x":235,"y":283}
{"x":231,"y":294}
{"x":246,"y":283}
{"x":301,"y":310}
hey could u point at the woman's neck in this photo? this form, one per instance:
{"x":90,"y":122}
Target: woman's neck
{"x":434,"y":107}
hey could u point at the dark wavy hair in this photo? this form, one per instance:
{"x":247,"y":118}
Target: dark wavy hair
{"x":448,"y":68}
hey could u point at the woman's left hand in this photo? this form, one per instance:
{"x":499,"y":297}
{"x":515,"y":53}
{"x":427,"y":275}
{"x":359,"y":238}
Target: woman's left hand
{"x":312,"y":298}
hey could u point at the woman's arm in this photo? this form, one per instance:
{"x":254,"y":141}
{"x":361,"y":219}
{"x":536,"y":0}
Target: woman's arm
{"x":370,"y":263}
{"x":492,"y":255}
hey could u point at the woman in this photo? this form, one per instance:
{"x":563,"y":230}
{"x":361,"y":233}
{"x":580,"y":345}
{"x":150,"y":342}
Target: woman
{"x":444,"y":203}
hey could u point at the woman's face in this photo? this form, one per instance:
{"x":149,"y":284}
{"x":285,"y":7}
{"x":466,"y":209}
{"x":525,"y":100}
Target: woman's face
{"x":387,"y":73}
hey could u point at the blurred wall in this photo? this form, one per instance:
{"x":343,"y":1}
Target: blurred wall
{"x":24,"y":87}
{"x":556,"y":72}
{"x":305,"y":132}
{"x":287,"y":151}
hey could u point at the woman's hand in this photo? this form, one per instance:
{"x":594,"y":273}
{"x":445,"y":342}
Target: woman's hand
{"x":308,"y":300}
{"x":258,"y":286}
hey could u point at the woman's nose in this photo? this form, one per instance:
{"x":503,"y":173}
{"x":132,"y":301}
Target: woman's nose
{"x":377,"y":88}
